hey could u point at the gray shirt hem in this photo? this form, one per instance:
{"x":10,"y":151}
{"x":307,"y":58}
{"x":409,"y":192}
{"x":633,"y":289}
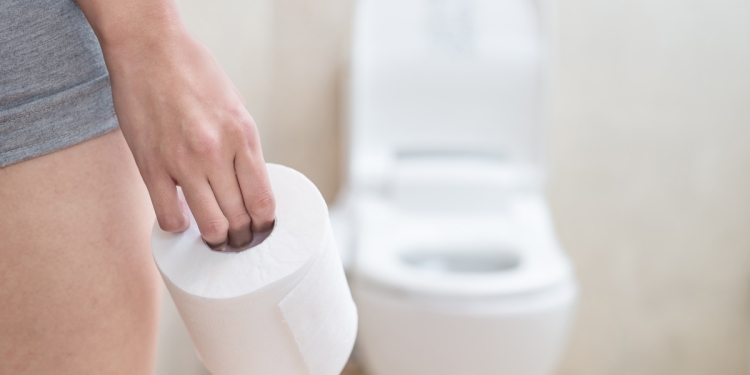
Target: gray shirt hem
{"x":56,"y":121}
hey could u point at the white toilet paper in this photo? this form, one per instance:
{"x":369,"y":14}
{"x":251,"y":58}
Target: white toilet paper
{"x":282,"y":307}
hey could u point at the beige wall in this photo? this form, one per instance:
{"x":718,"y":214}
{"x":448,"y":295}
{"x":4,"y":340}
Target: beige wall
{"x":649,"y":161}
{"x":651,"y":183}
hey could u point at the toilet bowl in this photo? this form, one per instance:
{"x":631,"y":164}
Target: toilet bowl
{"x":447,"y":294}
{"x":442,"y":222}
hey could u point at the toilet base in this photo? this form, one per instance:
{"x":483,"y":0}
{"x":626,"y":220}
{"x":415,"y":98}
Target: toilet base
{"x":519,"y":335}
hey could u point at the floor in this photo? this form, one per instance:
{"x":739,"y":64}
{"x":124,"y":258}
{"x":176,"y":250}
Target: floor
{"x":352,"y":369}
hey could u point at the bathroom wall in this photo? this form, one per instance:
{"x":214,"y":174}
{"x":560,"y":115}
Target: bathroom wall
{"x":649,"y":157}
{"x":650,"y":183}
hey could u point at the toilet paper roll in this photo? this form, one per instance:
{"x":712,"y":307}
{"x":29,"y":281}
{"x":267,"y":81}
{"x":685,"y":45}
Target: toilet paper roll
{"x":282,"y":307}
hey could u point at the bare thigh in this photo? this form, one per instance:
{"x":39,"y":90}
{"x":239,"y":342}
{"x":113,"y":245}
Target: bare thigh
{"x":79,"y":293}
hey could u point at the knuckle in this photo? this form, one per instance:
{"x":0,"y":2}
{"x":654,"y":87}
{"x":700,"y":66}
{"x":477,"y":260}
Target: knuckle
{"x":251,"y":133}
{"x":215,"y":230}
{"x":239,"y":222}
{"x":264,"y":206}
{"x":235,"y":130}
{"x":242,"y":129}
{"x":236,"y":112}
{"x":182,"y":164}
{"x":204,"y":144}
{"x":248,"y":123}
{"x":170,"y":223}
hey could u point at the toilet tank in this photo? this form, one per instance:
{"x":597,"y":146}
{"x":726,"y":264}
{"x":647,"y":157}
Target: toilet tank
{"x":437,"y":79}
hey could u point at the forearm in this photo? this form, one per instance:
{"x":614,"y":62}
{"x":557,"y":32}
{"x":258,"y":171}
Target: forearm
{"x":132,"y":28}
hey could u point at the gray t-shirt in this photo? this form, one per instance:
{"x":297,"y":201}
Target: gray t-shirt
{"x":54,"y":86}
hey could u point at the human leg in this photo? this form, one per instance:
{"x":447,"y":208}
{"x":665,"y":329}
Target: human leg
{"x":79,"y":293}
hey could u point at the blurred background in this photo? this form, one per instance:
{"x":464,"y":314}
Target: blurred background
{"x":647,"y":156}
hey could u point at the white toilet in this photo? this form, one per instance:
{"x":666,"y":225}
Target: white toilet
{"x":443,"y":225}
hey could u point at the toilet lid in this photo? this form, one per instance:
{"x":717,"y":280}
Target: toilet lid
{"x":503,"y":253}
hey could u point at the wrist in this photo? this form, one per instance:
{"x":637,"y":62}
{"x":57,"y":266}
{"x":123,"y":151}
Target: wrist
{"x":165,"y":49}
{"x":132,"y":30}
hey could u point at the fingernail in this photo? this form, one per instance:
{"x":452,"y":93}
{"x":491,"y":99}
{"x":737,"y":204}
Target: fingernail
{"x":266,"y":228}
{"x":240,"y":240}
{"x":222,"y":247}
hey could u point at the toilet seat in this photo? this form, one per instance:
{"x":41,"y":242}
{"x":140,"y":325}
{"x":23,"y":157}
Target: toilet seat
{"x":502,"y":254}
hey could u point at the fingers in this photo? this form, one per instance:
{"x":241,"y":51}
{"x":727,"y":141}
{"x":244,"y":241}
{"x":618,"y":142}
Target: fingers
{"x":169,"y":213}
{"x":227,"y":191}
{"x":256,"y":189}
{"x":211,"y":221}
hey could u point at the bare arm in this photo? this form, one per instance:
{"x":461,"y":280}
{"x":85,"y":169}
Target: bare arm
{"x":184,"y":121}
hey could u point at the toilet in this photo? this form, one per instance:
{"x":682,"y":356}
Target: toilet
{"x":442,"y":223}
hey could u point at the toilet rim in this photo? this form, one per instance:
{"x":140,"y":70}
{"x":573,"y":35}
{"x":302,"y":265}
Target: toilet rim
{"x":553,"y":296}
{"x":509,"y":252}
{"x":532,"y":273}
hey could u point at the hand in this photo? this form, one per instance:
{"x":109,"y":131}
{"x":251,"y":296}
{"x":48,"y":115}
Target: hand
{"x":186,"y":125}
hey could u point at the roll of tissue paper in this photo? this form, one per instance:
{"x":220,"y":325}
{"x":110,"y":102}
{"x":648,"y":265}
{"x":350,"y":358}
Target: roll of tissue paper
{"x":282,"y":307}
